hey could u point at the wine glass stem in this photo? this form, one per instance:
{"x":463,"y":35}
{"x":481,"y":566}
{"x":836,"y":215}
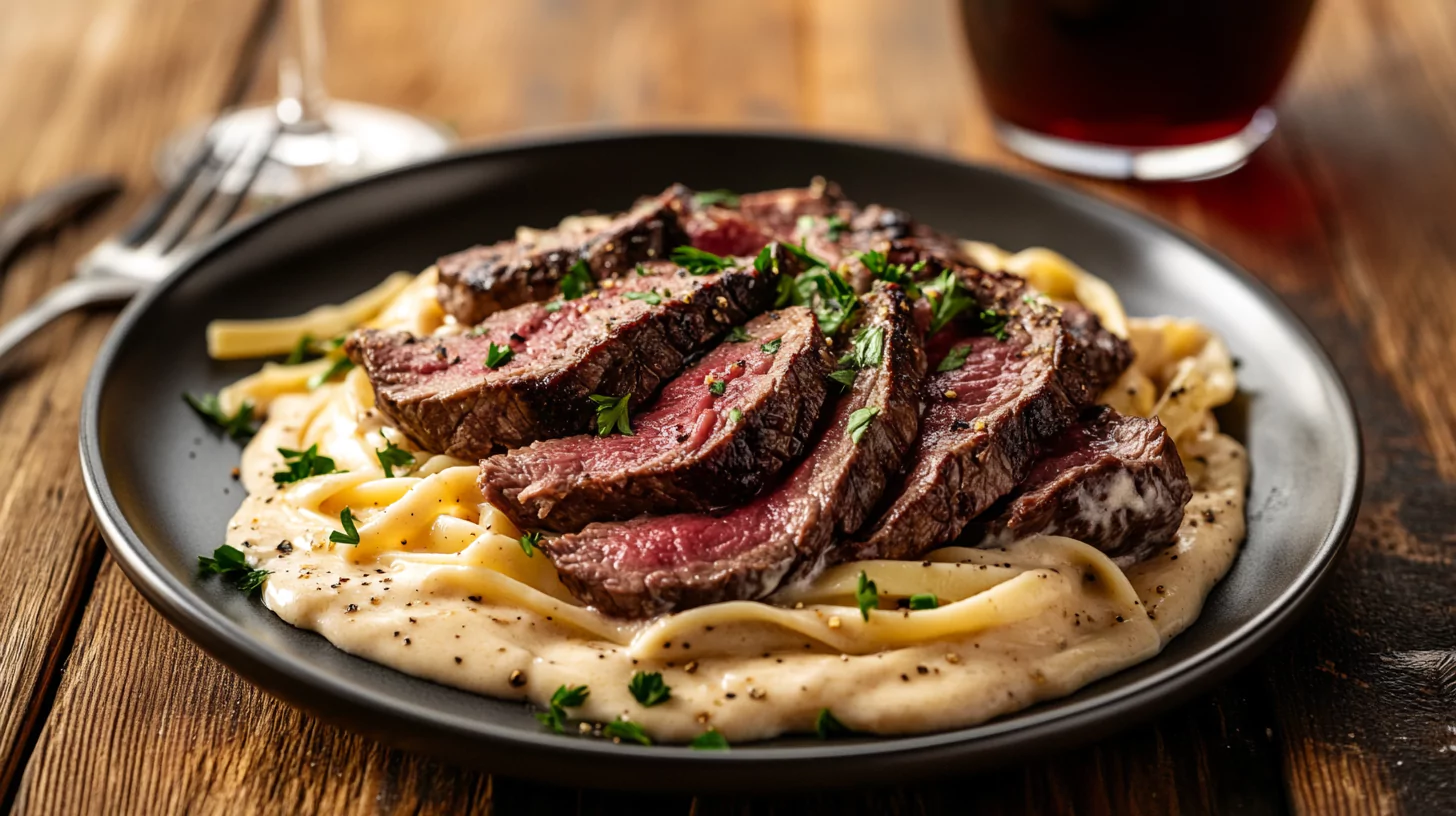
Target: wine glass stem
{"x":302,"y":96}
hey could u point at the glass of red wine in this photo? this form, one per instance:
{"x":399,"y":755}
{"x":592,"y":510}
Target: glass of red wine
{"x":1139,"y":89}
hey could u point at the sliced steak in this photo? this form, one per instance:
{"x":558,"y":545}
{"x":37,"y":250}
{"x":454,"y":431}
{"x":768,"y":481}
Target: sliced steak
{"x":648,"y":566}
{"x":985,"y":419}
{"x":483,"y":280}
{"x":1111,"y":481}
{"x":714,"y":438}
{"x":440,"y":391}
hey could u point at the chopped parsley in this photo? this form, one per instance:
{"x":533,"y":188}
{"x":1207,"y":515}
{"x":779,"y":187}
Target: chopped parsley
{"x":553,"y":306}
{"x":859,"y":421}
{"x":626,"y":731}
{"x":718,"y":387}
{"x":735,"y":415}
{"x":844,"y":376}
{"x":238,"y":425}
{"x":303,"y":351}
{"x":833,"y":224}
{"x":948,"y":298}
{"x":828,"y":295}
{"x":737,"y":335}
{"x":565,"y":697}
{"x":338,"y":368}
{"x":866,"y":594}
{"x":828,"y":726}
{"x":866,"y":350}
{"x":881,"y":268}
{"x":351,"y":533}
{"x":303,"y":464}
{"x":955,"y":358}
{"x":924,"y":600}
{"x":836,"y":226}
{"x":700,"y":262}
{"x":392,"y":457}
{"x":612,"y":413}
{"x":651,"y":296}
{"x":718,"y":198}
{"x":528,"y":543}
{"x":497,"y":356}
{"x":710,"y":740}
{"x":772,"y":346}
{"x":642,"y":270}
{"x":648,"y":688}
{"x":229,"y":562}
{"x":765,"y":262}
{"x":577,"y":281}
{"x":993,"y":322}
{"x":807,"y":258}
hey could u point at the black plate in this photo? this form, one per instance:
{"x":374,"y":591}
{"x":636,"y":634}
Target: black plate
{"x":160,"y":484}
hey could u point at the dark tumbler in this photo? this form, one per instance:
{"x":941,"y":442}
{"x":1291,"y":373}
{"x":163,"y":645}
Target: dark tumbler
{"x":1150,"y":89}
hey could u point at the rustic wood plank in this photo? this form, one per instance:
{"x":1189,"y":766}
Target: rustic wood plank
{"x":85,"y":86}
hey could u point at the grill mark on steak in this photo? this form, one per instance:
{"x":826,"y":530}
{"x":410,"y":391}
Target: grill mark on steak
{"x":603,"y":343}
{"x":648,"y":566}
{"x":984,"y":421}
{"x":483,"y":280}
{"x":1112,"y":481}
{"x":687,"y":453}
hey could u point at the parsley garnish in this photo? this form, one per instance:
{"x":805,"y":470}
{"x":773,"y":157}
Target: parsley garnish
{"x":735,"y":415}
{"x":772,"y":346}
{"x":564,"y":698}
{"x":737,"y":335}
{"x":955,"y":358}
{"x":497,"y":356}
{"x":836,"y":226}
{"x":844,"y":376}
{"x":866,"y":350}
{"x":553,"y":306}
{"x":828,"y":726}
{"x":302,"y":351}
{"x":718,"y":387}
{"x":710,"y":740}
{"x":612,"y":413}
{"x":993,"y":322}
{"x":528,"y":543}
{"x":720,"y":197}
{"x":924,"y":600}
{"x":649,"y":689}
{"x":238,"y":426}
{"x":650,"y":296}
{"x":229,"y":562}
{"x":303,"y":464}
{"x":881,"y":268}
{"x":626,"y":730}
{"x":866,"y":594}
{"x":339,"y":368}
{"x":764,"y":262}
{"x":577,"y":281}
{"x":950,"y":298}
{"x":809,"y":259}
{"x":350,"y":534}
{"x":642,"y":270}
{"x":392,"y":457}
{"x":700,"y":262}
{"x":859,"y":421}
{"x":828,"y":295}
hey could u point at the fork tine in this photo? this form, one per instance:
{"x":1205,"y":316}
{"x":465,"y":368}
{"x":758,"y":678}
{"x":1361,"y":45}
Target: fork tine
{"x":178,"y":223}
{"x":146,"y":224}
{"x":226,"y":201}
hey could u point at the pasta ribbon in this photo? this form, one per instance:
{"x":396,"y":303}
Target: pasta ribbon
{"x":241,"y":339}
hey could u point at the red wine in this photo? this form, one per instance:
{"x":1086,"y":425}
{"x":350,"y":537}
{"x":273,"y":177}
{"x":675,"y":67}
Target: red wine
{"x":1136,"y":73}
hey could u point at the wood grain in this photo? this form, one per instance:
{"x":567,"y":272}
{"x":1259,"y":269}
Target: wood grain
{"x":1345,"y":213}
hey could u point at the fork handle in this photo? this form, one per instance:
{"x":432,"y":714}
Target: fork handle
{"x":69,"y":296}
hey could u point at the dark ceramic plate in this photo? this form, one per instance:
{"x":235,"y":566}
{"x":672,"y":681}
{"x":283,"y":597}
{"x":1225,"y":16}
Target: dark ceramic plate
{"x":160,"y":484}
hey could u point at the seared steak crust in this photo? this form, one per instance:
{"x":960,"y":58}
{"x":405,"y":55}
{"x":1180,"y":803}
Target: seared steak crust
{"x":693,"y":449}
{"x":440,"y":391}
{"x":985,"y":420}
{"x":1111,"y":481}
{"x":648,"y":566}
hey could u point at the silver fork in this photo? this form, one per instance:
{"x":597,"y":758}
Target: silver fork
{"x":207,"y":196}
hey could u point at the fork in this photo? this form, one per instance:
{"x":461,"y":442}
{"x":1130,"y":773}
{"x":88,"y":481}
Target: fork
{"x":207,"y":195}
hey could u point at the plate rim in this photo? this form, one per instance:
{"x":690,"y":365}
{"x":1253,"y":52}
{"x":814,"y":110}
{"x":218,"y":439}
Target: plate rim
{"x":1023,"y":733}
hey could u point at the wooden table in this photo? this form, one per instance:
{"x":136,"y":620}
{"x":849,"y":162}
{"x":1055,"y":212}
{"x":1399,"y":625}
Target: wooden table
{"x":1348,"y":213}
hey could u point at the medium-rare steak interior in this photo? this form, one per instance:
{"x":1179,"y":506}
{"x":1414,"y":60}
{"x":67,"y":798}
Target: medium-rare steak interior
{"x":651,"y":565}
{"x":1008,"y":373}
{"x":1111,"y":481}
{"x":714,"y":438}
{"x":529,"y":373}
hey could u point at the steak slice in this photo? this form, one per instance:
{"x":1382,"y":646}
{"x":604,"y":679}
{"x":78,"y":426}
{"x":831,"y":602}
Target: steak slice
{"x":984,"y":420}
{"x":483,"y":280}
{"x":692,"y":449}
{"x":1111,"y":481}
{"x":440,"y":391}
{"x":648,"y":566}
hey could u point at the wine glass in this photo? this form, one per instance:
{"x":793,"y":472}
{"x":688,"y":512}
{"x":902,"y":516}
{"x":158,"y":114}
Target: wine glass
{"x":321,"y":141}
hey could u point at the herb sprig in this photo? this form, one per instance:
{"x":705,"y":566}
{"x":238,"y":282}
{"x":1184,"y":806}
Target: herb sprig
{"x":337,"y":369}
{"x":700,"y":262}
{"x":237,"y":425}
{"x":577,"y":281}
{"x":828,"y":726}
{"x":497,"y":356}
{"x":710,"y":740}
{"x":948,"y":298}
{"x":648,"y":688}
{"x":924,"y":600}
{"x":651,"y":297}
{"x":859,"y":422}
{"x":565,"y":697}
{"x":350,"y":535}
{"x":866,"y":595}
{"x":626,"y":731}
{"x":528,"y":542}
{"x":303,"y":464}
{"x":612,"y":414}
{"x":393,"y":457}
{"x":230,"y":563}
{"x":737,"y":334}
